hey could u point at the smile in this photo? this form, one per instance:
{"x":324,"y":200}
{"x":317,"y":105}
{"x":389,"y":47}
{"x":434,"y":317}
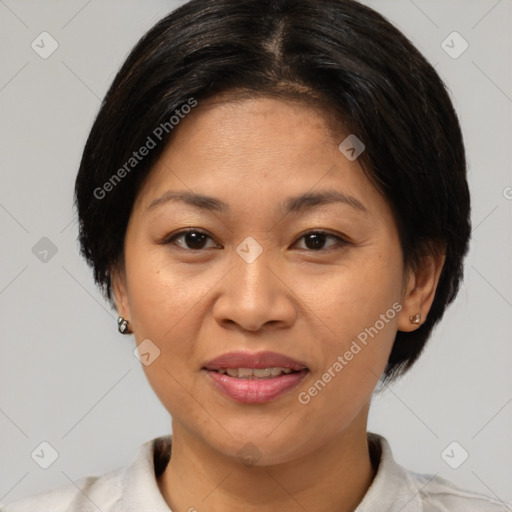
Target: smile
{"x":254,"y":373}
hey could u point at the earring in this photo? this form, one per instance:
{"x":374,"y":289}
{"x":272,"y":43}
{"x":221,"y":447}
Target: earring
{"x":415,"y":319}
{"x":122,"y":325}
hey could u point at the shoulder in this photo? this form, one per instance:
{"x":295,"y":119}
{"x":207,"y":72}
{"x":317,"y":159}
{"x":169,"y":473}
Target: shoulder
{"x":133,"y":487}
{"x":88,"y":494}
{"x":437,"y":493}
{"x":397,"y":488}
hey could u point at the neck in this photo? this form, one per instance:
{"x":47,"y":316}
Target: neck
{"x":334,"y":478}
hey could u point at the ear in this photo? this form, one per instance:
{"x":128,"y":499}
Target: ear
{"x":420,"y":288}
{"x":120,"y":291}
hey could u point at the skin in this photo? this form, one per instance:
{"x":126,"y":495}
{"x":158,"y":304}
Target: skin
{"x":307,"y":303}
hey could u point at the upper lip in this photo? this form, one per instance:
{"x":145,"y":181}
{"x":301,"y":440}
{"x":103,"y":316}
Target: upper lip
{"x":254,"y":360}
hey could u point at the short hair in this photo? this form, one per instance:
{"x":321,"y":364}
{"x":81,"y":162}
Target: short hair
{"x":338,"y":55}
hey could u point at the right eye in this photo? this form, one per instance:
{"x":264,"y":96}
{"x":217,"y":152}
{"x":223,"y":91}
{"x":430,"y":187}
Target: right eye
{"x":190,"y":239}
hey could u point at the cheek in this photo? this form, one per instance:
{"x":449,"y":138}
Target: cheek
{"x":162,"y":293}
{"x":359,"y":308}
{"x":362,"y":327}
{"x":164,"y":304}
{"x":353,"y":297}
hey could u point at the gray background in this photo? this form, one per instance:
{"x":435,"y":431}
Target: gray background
{"x":67,"y":377}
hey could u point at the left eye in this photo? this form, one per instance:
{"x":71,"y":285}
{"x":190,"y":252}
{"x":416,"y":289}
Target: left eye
{"x":314,"y":240}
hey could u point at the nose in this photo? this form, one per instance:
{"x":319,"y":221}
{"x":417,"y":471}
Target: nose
{"x":255,"y":295}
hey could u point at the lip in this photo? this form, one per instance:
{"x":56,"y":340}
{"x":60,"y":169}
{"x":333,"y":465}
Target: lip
{"x":254,"y":360}
{"x":255,"y":391}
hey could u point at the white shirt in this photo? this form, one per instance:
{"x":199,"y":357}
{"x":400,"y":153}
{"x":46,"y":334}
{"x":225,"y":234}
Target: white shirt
{"x":134,"y":488}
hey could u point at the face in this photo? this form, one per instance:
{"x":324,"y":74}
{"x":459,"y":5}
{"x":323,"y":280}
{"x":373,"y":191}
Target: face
{"x":294,"y":253}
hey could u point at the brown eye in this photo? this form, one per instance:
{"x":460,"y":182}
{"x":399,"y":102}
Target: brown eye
{"x":315,"y":240}
{"x":192,"y":239}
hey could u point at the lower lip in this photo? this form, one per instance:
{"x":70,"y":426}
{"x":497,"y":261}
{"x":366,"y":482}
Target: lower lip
{"x":255,"y":391}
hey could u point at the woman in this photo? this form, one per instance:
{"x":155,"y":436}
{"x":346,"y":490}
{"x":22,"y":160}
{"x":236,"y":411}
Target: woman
{"x":273,"y":197}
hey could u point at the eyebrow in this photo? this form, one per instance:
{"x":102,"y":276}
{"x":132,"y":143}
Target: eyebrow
{"x":295,"y":204}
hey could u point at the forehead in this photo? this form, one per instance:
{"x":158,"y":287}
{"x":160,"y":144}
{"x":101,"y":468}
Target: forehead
{"x":252,"y":150}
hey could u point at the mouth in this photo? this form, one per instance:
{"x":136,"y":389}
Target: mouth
{"x":254,"y":378}
{"x":255,"y":373}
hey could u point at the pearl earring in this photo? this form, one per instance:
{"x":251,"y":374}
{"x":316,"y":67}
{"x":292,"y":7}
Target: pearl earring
{"x":122,"y":325}
{"x":415,"y":319}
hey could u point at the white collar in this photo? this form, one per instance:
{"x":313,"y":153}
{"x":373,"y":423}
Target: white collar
{"x":140,"y":489}
{"x":392,"y":486}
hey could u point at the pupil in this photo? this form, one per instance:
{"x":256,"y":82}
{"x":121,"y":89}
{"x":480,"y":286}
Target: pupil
{"x":195,"y":240}
{"x":317,"y":239}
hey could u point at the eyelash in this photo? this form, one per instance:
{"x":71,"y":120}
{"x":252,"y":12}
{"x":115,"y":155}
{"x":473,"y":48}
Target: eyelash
{"x":171,"y":239}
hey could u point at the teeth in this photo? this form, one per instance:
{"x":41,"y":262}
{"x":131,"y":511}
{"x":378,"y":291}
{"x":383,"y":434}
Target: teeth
{"x":258,"y":373}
